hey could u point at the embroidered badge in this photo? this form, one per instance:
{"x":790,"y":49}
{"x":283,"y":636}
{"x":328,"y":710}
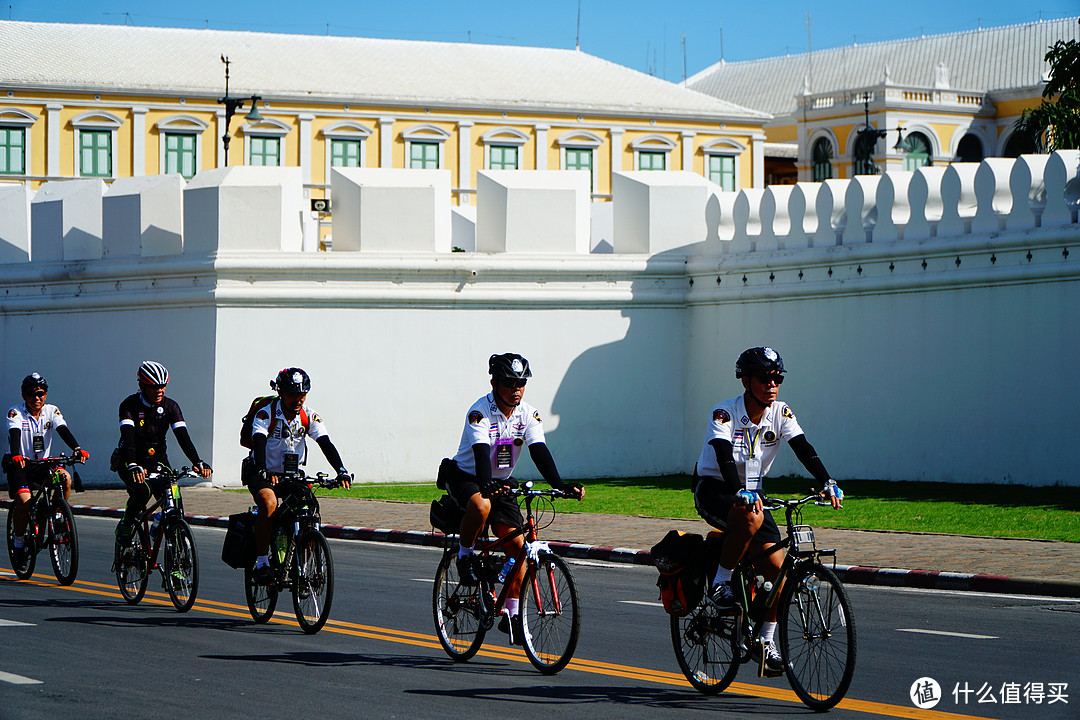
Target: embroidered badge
{"x":536,"y":416}
{"x":150,"y":451}
{"x":11,"y":414}
{"x":315,"y":418}
{"x":786,"y":412}
{"x":475,"y":416}
{"x":720,"y":415}
{"x":770,"y":436}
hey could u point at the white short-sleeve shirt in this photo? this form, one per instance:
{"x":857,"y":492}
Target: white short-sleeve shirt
{"x":43,"y":427}
{"x":750,"y":443}
{"x":485,"y":423}
{"x":287,"y":437}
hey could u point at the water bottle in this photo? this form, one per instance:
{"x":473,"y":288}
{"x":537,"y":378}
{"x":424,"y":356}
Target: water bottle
{"x":155,"y":525}
{"x":281,"y":543}
{"x":506,"y":569}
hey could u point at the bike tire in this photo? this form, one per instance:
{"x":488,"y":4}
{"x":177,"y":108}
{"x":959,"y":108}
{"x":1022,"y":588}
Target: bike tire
{"x":550,"y":614}
{"x":458,"y":611}
{"x":181,"y":563}
{"x":261,"y":599}
{"x":817,"y":636}
{"x":132,"y":568}
{"x":63,"y":542}
{"x":706,"y":643}
{"x":22,"y":564}
{"x":313,"y":581}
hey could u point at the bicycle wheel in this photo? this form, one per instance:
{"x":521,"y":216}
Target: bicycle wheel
{"x":458,"y":611}
{"x":181,"y":568}
{"x":313,"y":582}
{"x":63,"y":542}
{"x":817,"y":636}
{"x":550,"y":614}
{"x":706,"y":643}
{"x":132,"y":568}
{"x":22,"y":561}
{"x":261,"y":599}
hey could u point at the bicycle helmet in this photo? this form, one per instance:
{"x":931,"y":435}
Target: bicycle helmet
{"x":153,"y":373}
{"x":291,"y":380}
{"x":759,"y":361}
{"x":34,"y":381}
{"x":509,"y":366}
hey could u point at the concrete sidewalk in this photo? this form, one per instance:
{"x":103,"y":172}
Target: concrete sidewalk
{"x":925,"y":560}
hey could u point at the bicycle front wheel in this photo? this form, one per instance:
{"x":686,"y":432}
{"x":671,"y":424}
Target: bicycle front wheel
{"x":550,"y":614}
{"x":23,"y":559}
{"x":706,"y":643}
{"x":817,"y":636}
{"x":459,"y":611}
{"x":63,"y":542}
{"x":181,"y":564}
{"x":132,"y":568}
{"x":313,"y":586}
{"x":261,"y":599}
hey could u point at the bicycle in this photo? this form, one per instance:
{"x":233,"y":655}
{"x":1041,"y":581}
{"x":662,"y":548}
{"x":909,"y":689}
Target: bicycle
{"x":162,"y":524}
{"x":815,"y":623}
{"x":299,"y":556}
{"x":50,"y":522}
{"x":550,"y":614}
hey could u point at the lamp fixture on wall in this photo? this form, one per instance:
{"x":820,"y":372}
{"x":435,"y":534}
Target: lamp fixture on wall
{"x":866,"y":139}
{"x":232,"y":105}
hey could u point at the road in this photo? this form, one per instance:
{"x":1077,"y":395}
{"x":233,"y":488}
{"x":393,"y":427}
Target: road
{"x":82,"y":652}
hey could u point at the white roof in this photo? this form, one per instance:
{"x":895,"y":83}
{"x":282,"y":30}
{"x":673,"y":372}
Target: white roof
{"x":986,"y":60}
{"x":104,"y":58}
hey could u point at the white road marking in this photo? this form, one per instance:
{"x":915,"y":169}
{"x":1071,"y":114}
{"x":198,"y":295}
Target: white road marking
{"x":642,"y":602}
{"x":14,"y":623}
{"x":950,"y":634}
{"x":18,"y":679}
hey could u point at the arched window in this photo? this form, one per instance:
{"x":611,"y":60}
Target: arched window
{"x":821,"y":158}
{"x":918,"y":152}
{"x":1019,"y":143}
{"x":969,"y":149}
{"x":863,"y":155}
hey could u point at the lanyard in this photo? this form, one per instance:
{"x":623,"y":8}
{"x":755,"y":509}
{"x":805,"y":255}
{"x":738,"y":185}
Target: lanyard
{"x":751,"y":441}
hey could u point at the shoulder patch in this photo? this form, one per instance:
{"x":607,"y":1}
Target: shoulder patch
{"x":720,"y":415}
{"x":315,"y":418}
{"x":536,"y":416}
{"x":786,"y":412}
{"x":475,"y":416}
{"x":12,"y":413}
{"x":263,"y":414}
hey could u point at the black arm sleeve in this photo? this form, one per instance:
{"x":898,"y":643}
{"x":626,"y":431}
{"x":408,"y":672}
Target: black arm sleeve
{"x":809,"y":458}
{"x":541,"y":457}
{"x":258,"y":450}
{"x":725,"y":459}
{"x":330,"y":452}
{"x":482,"y":457}
{"x":67,"y":437}
{"x":127,"y":441}
{"x":186,"y":445}
{"x":15,"y":441}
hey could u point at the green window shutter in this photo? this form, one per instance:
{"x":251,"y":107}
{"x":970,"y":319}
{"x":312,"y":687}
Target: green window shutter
{"x":265,"y":151}
{"x":344,"y":153}
{"x":722,"y":171}
{"x":180,"y":154}
{"x":503,"y":157}
{"x":652,"y":161}
{"x":95,"y":153}
{"x":12,"y":151}
{"x":424,"y":156}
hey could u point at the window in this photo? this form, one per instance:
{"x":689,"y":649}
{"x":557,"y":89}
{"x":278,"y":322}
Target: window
{"x":917,"y":147}
{"x":970,"y":149}
{"x":424,"y":155}
{"x":95,"y":153}
{"x":580,"y":159}
{"x":502,"y":157}
{"x":722,"y":171}
{"x":1019,"y":143}
{"x":12,"y":151}
{"x":822,"y":160}
{"x":180,"y":154}
{"x":652,"y":160}
{"x":265,"y":151}
{"x":345,"y":153}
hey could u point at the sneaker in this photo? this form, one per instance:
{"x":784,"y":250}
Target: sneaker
{"x":512,"y":626}
{"x":723,"y":597}
{"x":466,"y":570}
{"x":124,"y":533}
{"x":263,"y":575}
{"x":768,"y":657}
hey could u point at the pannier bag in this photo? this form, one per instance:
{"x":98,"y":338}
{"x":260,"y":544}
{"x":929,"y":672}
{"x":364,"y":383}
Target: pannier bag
{"x":238,"y":550}
{"x":446,"y":515}
{"x":679,"y":558}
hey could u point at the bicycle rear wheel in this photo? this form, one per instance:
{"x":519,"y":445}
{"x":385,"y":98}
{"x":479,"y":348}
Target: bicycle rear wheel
{"x":181,"y":567}
{"x":706,"y":643}
{"x":313,"y":586}
{"x":132,"y":568}
{"x":24,"y":559}
{"x":817,"y":636}
{"x":63,"y":542}
{"x":261,"y":599}
{"x":458,"y":611}
{"x":550,"y":614}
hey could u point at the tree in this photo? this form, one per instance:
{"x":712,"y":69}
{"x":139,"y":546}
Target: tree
{"x":1055,"y":125}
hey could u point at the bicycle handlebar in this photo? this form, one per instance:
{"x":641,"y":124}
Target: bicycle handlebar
{"x":57,"y":461}
{"x":513,"y":488}
{"x":769,"y":503}
{"x":321,"y":479}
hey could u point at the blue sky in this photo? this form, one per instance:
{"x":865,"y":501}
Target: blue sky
{"x":647,"y":36}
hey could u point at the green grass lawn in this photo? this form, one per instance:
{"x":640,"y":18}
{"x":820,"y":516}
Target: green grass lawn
{"x":1051,"y":513}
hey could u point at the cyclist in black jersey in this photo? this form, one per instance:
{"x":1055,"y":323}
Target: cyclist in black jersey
{"x":145,"y":419}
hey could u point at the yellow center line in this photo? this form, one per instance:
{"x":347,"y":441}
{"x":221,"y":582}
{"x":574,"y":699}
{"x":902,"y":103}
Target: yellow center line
{"x":374,"y":632}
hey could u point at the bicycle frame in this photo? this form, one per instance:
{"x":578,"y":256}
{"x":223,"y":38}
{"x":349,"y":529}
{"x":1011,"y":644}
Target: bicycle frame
{"x":170,"y":503}
{"x":45,"y":493}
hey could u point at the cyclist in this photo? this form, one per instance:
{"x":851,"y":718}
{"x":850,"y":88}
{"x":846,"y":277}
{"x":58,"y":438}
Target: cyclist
{"x":741,"y":441}
{"x":31,"y":427}
{"x":145,"y":419}
{"x":496,"y":427}
{"x":279,"y":433}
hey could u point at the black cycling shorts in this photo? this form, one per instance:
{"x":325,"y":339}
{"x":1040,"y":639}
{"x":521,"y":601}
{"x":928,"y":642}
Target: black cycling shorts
{"x":713,"y":501}
{"x":504,"y":510}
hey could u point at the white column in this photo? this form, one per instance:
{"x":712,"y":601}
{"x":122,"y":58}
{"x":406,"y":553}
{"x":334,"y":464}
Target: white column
{"x":616,"y":149}
{"x":221,"y":130}
{"x":138,"y":142}
{"x":541,"y":146}
{"x":688,"y":150}
{"x":386,"y":143}
{"x":305,"y":147}
{"x":52,"y":127}
{"x":757,"y":179}
{"x":465,"y":161}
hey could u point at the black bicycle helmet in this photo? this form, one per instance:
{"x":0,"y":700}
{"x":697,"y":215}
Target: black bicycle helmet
{"x":759,"y":361}
{"x":509,"y":366}
{"x":291,"y":380}
{"x":34,"y":381}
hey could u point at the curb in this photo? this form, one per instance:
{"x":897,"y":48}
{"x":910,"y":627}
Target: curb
{"x":849,"y":574}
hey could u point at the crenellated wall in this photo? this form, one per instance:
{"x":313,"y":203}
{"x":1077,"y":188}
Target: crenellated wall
{"x":925,"y":317}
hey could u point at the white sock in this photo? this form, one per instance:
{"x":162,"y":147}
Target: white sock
{"x":18,"y":541}
{"x":768,"y":630}
{"x":262,"y":561}
{"x":512,"y":606}
{"x":463,"y":551}
{"x":723,"y":575}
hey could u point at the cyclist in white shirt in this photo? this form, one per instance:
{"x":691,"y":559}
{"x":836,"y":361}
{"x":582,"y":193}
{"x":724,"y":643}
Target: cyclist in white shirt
{"x":497,"y":427}
{"x":741,"y":442}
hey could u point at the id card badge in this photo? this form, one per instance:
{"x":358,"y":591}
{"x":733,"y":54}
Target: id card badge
{"x":504,"y":455}
{"x":39,"y":443}
{"x":290,"y":462}
{"x":753,"y":474}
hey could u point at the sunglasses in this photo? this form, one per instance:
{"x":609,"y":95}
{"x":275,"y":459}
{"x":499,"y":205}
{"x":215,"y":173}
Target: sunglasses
{"x":40,"y":393}
{"x":512,"y":383}
{"x":766,"y":379}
